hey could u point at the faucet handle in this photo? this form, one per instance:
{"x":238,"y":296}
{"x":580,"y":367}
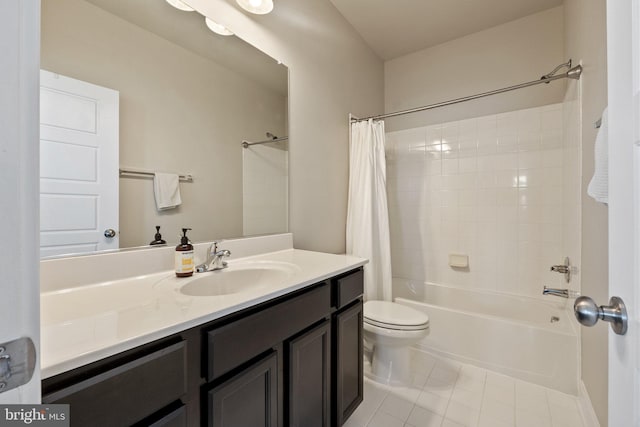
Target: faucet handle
{"x":565,"y":269}
{"x":214,"y":245}
{"x":560,"y":269}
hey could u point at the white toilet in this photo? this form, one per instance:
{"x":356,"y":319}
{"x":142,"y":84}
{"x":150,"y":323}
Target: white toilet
{"x":390,"y":329}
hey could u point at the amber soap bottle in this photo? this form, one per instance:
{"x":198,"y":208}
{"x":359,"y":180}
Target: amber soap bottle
{"x":184,"y":256}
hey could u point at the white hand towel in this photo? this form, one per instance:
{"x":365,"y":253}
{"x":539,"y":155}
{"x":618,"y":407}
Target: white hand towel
{"x":599,"y":186}
{"x":166,"y":189}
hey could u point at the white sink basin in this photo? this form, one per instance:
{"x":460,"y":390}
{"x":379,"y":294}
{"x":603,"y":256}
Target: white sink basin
{"x":238,"y":278}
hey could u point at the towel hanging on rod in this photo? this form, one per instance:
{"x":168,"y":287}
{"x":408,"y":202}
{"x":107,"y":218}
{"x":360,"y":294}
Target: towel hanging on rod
{"x":166,"y":191}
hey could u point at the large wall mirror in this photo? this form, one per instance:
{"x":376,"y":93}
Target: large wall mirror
{"x":185,"y":100}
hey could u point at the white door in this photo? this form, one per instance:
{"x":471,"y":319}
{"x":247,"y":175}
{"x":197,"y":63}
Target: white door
{"x":19,"y":271}
{"x":623,"y":51}
{"x":78,"y":166}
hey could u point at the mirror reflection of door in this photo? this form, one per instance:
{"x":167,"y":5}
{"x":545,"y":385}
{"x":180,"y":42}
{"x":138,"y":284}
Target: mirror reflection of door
{"x":78,"y":166}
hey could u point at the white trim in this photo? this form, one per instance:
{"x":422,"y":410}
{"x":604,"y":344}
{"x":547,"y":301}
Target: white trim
{"x":589,"y":417}
{"x":19,"y":117}
{"x":622,"y":54}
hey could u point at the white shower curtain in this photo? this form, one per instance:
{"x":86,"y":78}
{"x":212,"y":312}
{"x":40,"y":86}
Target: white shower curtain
{"x":367,"y":214}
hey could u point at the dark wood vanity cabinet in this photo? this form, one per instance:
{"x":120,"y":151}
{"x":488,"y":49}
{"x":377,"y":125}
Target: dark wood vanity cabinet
{"x":147,"y":383}
{"x":348,"y":362}
{"x":292,"y":361}
{"x":347,"y":346}
{"x":249,"y":398}
{"x":232,"y":349}
{"x":308,"y":372}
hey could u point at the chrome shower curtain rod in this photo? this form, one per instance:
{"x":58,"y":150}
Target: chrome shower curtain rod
{"x":572,"y":73}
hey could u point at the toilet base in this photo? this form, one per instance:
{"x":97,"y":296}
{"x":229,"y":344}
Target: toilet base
{"x":389,"y":331}
{"x":390,"y":365}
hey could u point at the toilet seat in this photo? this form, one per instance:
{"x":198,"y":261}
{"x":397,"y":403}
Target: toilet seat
{"x":389,"y":315}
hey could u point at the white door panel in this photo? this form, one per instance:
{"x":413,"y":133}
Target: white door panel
{"x":58,"y":134}
{"x":78,"y":165}
{"x":63,"y":212}
{"x":19,"y":282}
{"x":623,"y":53}
{"x":67,"y":161}
{"x":67,"y":111}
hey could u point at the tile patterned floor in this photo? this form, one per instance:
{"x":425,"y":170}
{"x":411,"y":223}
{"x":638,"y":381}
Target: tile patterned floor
{"x":446,"y":393}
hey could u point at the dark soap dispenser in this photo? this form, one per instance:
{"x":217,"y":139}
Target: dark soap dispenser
{"x":184,"y":256}
{"x":157,"y":239}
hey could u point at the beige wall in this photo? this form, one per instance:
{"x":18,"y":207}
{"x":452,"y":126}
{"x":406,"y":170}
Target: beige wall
{"x":179,"y":112}
{"x":505,"y":55}
{"x":585,"y":41}
{"x":332,"y":73}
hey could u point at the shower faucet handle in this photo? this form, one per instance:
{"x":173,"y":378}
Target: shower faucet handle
{"x":563,"y":269}
{"x":560,"y":269}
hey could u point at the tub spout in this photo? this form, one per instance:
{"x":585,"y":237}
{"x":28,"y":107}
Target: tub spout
{"x":564,"y":293}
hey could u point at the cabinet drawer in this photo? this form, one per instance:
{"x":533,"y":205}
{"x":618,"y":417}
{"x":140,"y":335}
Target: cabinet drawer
{"x":231,"y":345}
{"x":128,"y":393}
{"x":348,"y":288}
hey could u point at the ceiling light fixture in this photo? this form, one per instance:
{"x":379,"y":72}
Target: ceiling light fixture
{"x":178,"y":4}
{"x":217,"y":28}
{"x":259,"y":7}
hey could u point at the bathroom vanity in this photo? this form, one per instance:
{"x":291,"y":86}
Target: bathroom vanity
{"x":287,"y":354}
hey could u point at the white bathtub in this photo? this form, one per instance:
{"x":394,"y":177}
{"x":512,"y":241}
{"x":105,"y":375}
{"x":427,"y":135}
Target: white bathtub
{"x":511,"y":335}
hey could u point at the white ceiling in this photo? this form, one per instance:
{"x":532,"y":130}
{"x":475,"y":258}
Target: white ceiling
{"x":397,"y":27}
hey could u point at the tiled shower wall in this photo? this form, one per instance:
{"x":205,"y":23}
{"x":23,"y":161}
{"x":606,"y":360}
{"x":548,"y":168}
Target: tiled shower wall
{"x":489,"y":187}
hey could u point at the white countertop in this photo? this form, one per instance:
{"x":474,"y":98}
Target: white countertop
{"x":81,"y":325}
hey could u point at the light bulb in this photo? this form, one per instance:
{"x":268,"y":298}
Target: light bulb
{"x":259,"y":7}
{"x":217,"y":28}
{"x":178,"y":4}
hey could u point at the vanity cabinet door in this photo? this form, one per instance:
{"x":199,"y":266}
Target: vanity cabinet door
{"x":249,"y":398}
{"x":309,"y":378}
{"x":348,"y":363}
{"x":172,"y":416}
{"x":128,"y":392}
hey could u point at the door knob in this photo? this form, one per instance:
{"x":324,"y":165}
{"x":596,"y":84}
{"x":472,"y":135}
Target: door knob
{"x":17,"y":363}
{"x":588,"y":313}
{"x":110,"y":233}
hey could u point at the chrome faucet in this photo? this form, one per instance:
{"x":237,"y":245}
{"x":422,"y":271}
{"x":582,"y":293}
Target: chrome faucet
{"x":564,"y":293}
{"x":214,"y":259}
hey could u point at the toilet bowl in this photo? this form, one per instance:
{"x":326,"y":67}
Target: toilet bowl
{"x":390,"y":330}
